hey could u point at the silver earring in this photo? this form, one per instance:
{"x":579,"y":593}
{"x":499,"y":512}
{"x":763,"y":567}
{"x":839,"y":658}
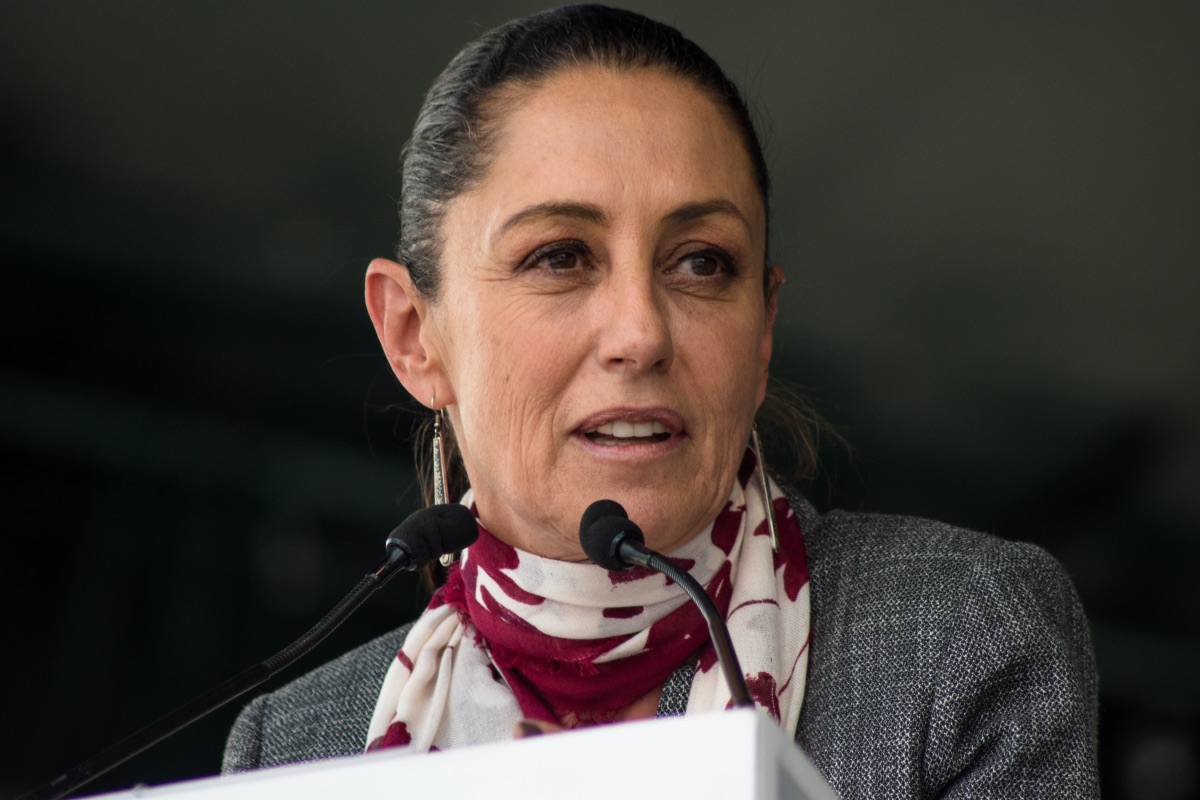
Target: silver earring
{"x":765,"y":485}
{"x":439,"y":475}
{"x":439,"y":464}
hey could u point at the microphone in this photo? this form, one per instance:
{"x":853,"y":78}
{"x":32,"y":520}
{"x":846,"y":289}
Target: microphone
{"x":419,"y":539}
{"x":431,"y":533}
{"x":613,"y":541}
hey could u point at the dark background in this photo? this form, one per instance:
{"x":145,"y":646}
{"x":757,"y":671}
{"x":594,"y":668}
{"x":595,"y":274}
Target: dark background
{"x":989,"y":221}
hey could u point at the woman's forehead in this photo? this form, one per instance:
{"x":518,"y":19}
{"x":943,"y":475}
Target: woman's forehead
{"x":611,"y":137}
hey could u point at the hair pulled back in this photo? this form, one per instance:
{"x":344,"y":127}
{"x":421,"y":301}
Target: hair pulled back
{"x":451,"y":144}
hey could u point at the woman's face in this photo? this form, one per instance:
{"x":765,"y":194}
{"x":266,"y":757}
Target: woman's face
{"x":601,"y":330}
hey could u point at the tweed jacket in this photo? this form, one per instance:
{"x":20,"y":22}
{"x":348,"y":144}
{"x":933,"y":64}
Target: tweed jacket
{"x":944,"y":664}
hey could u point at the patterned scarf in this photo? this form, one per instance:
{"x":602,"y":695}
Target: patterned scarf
{"x":512,"y":634}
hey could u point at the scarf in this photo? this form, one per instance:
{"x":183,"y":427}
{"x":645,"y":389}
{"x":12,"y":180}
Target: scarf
{"x":512,"y":634}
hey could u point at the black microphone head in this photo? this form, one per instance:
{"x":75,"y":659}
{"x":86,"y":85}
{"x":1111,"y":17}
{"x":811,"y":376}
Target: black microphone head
{"x":435,"y":531}
{"x":599,"y":509}
{"x":602,"y":528}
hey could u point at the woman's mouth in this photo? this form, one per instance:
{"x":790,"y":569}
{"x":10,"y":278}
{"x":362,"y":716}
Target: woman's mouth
{"x":621,"y":433}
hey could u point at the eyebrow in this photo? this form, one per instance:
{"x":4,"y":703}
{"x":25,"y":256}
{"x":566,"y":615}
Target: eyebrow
{"x":704,"y":208}
{"x":581,"y":211}
{"x":588,"y":212}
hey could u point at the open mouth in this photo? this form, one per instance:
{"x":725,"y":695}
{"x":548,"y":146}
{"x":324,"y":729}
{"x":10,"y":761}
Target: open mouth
{"x":620,"y":433}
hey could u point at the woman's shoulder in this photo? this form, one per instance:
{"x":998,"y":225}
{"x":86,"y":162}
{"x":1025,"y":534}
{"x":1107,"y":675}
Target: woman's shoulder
{"x":899,"y":576}
{"x":874,"y":553}
{"x":954,"y":655}
{"x":893,"y":574}
{"x":322,"y":714}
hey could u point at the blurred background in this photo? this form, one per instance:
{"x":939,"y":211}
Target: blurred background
{"x":989,"y":221}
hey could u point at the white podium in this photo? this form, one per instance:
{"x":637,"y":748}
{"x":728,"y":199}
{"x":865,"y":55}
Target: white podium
{"x":736,"y":755}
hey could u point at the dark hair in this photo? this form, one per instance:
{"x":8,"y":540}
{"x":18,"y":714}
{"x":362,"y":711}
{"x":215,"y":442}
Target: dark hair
{"x":450,"y":148}
{"x":454,"y":134}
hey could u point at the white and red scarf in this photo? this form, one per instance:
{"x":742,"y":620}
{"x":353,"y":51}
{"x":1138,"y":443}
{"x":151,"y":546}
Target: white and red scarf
{"x":514,"y":635}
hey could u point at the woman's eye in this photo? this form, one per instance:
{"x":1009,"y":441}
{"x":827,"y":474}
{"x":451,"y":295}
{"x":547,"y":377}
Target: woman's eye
{"x":706,"y":263}
{"x":560,"y":260}
{"x":556,"y":258}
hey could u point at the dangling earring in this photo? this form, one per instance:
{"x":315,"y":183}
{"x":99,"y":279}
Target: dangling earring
{"x":439,"y":473}
{"x":439,"y":464}
{"x":765,"y":485}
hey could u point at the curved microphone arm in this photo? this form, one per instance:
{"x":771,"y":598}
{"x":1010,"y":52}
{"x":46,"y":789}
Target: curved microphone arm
{"x":615,"y":542}
{"x":716,"y":627}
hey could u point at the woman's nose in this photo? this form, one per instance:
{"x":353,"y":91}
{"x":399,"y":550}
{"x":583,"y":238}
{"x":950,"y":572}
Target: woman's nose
{"x":634,"y":326}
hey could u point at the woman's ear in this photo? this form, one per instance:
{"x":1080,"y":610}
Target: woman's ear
{"x":400,"y":314}
{"x":775,"y":281}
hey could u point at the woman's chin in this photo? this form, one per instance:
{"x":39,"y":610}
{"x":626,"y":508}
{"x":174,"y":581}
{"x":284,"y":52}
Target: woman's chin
{"x":665,"y":514}
{"x":670,"y":498}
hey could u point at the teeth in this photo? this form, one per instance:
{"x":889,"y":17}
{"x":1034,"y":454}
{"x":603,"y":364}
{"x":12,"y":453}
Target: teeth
{"x":621,"y":429}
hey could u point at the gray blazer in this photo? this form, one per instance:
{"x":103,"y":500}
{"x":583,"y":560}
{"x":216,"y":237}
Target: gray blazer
{"x":944,"y":663}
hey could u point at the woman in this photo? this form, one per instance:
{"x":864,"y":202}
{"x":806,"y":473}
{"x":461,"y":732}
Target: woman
{"x":583,"y":294}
